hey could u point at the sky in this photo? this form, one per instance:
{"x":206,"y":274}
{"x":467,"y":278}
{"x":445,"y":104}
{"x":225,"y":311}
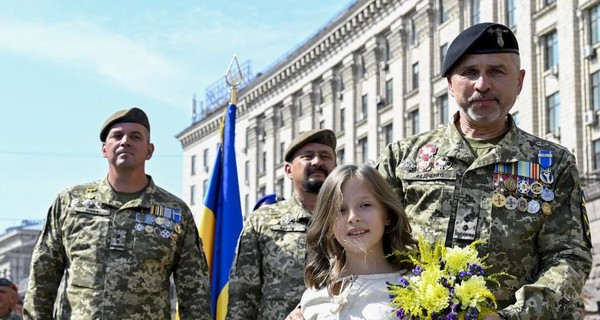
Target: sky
{"x":65,"y":66}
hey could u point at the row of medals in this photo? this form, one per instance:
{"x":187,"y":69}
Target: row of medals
{"x":521,"y":187}
{"x":157,"y":225}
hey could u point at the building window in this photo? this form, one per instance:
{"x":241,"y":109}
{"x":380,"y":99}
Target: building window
{"x":415,"y":76}
{"x":281,"y":152}
{"x":363,"y":150}
{"x":205,"y":158}
{"x":553,"y":113}
{"x":595,"y":24}
{"x":412,"y":126}
{"x":386,"y":53}
{"x":279,"y":187}
{"x":247,"y":171}
{"x":204,"y":187}
{"x":363,"y":67}
{"x":387,"y":134}
{"x":340,"y":155}
{"x":193,"y":165}
{"x":596,"y":155}
{"x":413,"y":33}
{"x":475,"y":12}
{"x":342,"y":118}
{"x":263,"y":164}
{"x":595,"y":83}
{"x":364,"y":107}
{"x":442,"y":110}
{"x":443,"y":50}
{"x":192,"y":195}
{"x":322,"y":124}
{"x":551,"y":50}
{"x":299,"y":107}
{"x":511,"y":13}
{"x":262,"y":190}
{"x":247,"y":203}
{"x":442,"y":11}
{"x":389,"y":91}
{"x":280,"y":116}
{"x":319,"y":95}
{"x":549,"y":2}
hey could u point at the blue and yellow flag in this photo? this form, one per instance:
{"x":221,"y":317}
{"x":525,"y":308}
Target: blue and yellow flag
{"x":221,"y":220}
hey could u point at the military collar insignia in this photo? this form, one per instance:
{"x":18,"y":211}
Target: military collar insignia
{"x":498,"y":31}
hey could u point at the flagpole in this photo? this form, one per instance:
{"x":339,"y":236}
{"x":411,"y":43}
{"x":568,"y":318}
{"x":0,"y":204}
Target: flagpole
{"x":234,"y":78}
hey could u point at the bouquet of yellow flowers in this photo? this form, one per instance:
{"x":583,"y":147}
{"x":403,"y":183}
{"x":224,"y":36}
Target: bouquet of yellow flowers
{"x":445,"y":284}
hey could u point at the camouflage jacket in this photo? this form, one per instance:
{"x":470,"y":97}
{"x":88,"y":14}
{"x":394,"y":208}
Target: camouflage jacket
{"x":115,"y":259}
{"x":534,"y":226}
{"x":12,"y":316}
{"x":267,"y":279}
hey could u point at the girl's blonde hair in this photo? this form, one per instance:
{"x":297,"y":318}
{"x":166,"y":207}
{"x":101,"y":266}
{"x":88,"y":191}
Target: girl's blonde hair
{"x":325,"y":255}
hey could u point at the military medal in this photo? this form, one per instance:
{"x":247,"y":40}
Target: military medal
{"x":510,"y":184}
{"x":159,"y":221}
{"x":157,"y":231}
{"x":165,"y":233}
{"x":75,"y":203}
{"x":533,"y":206}
{"x":546,"y":208}
{"x":546,"y":176}
{"x":547,"y":194}
{"x":522,"y":204}
{"x":511,"y":203}
{"x":408,"y":165}
{"x":536,"y":188}
{"x":442,"y":163}
{"x":523,"y":187}
{"x":424,"y":166}
{"x":148,"y":229}
{"x":177,"y":215}
{"x":427,"y":151}
{"x":545,"y":160}
{"x":286,"y":219}
{"x":139,"y":227}
{"x":499,"y":200}
{"x":88,"y":203}
{"x":177,"y":228}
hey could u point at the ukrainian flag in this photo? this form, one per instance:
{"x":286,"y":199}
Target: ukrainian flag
{"x":221,"y":220}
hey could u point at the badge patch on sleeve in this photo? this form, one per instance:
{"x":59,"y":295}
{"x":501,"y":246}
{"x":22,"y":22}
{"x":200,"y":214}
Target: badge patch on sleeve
{"x":586,"y":221}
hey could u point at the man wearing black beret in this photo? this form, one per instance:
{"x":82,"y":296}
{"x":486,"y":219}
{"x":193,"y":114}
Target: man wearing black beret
{"x":116,"y":242}
{"x":482,"y":178}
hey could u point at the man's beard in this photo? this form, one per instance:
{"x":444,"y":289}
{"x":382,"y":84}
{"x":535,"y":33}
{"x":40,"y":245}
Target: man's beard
{"x":312,"y":186}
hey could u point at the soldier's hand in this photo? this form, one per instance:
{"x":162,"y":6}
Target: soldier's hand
{"x":295,"y":315}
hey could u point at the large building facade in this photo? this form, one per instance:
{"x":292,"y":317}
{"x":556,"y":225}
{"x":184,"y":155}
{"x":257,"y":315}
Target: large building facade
{"x":372,"y":75}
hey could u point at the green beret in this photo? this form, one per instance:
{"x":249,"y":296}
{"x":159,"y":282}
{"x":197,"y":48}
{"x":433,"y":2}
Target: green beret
{"x":481,"y":38}
{"x":135,"y":115}
{"x":323,"y":136}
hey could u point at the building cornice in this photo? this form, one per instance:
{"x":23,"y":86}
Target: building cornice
{"x":360,"y":16}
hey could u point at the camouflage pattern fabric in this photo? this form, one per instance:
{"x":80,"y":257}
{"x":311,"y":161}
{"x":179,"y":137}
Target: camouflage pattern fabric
{"x":267,"y":279}
{"x":450,"y":193}
{"x":116,"y":259}
{"x":12,"y":316}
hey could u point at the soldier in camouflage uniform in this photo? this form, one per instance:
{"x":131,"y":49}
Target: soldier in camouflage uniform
{"x":115,"y":243}
{"x":267,"y":279}
{"x":481,"y":177}
{"x":8,"y":300}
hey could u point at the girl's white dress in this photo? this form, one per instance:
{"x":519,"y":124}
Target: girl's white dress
{"x":365,"y":297}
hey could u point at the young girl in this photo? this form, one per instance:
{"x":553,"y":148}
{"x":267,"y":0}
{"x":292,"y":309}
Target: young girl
{"x":357,"y":223}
